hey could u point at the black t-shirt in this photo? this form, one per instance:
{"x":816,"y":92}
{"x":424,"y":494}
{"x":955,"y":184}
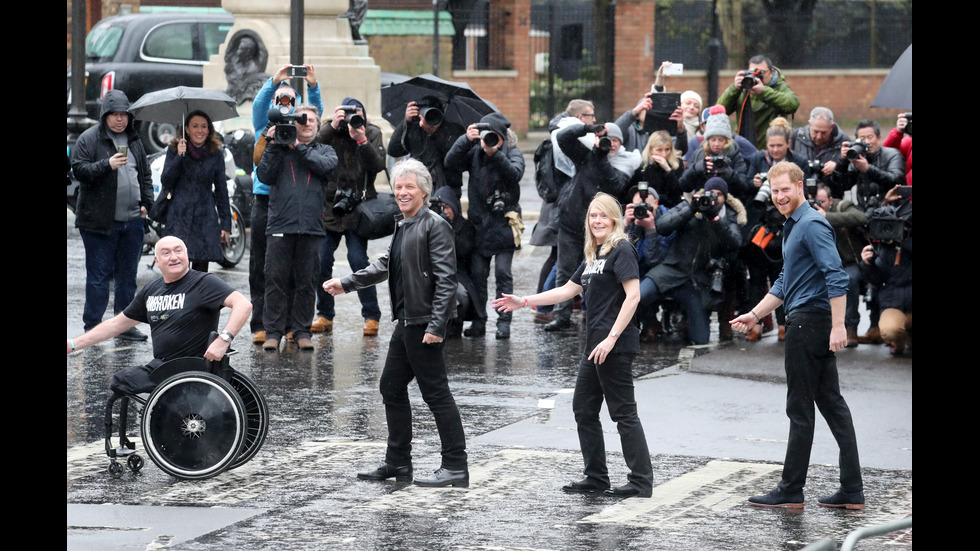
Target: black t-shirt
{"x":181,"y":314}
{"x":602,"y":281}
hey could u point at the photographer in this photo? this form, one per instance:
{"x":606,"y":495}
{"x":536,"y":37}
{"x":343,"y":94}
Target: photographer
{"x":360,"y":157}
{"x":707,"y":234}
{"x":718,"y":156}
{"x":489,"y":152}
{"x":819,"y":143}
{"x":887,"y":264}
{"x":297,"y":174}
{"x":868,"y":167}
{"x":900,"y":138}
{"x":276,"y":92}
{"x":764,"y":88}
{"x":426,"y":136}
{"x":661,"y":168}
{"x":848,"y":222}
{"x":600,"y":165}
{"x":639,"y":219}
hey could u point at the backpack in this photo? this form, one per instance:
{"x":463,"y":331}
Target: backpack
{"x":544,"y":171}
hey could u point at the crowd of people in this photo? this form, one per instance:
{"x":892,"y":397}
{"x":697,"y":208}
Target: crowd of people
{"x":650,"y":230}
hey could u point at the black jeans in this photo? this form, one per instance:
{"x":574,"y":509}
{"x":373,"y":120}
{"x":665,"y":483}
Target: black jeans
{"x":290,"y":299}
{"x":570,"y":255}
{"x":612,"y":381}
{"x":480,"y":271}
{"x":811,"y":378}
{"x":408,"y":358}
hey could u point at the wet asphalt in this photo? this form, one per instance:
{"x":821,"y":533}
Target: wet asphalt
{"x":713,"y":417}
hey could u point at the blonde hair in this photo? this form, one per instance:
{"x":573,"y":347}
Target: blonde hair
{"x":610,"y":207}
{"x":658,"y":138}
{"x":729,"y":143}
{"x":779,"y":127}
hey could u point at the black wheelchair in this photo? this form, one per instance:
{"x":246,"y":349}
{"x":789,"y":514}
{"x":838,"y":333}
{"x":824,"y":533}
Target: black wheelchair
{"x":200,"y":419}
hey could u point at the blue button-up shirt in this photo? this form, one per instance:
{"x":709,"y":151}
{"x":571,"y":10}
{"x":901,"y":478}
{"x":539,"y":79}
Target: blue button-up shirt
{"x":812,"y":272}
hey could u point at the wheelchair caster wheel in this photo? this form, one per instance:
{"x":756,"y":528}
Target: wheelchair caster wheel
{"x":135,"y":463}
{"x":115,"y":469}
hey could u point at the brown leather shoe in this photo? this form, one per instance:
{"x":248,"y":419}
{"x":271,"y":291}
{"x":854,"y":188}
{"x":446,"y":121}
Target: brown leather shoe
{"x":873,"y":336}
{"x":321,"y":325}
{"x":370,"y":328}
{"x":271,"y":345}
{"x":754,"y":334}
{"x":304,"y":344}
{"x":258,"y":337}
{"x":852,"y":336}
{"x":289,"y":337}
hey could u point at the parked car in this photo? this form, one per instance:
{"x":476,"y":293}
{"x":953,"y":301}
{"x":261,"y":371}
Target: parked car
{"x":140,"y":53}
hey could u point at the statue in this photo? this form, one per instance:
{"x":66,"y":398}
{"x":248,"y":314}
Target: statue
{"x":355,"y":16}
{"x":245,"y":61}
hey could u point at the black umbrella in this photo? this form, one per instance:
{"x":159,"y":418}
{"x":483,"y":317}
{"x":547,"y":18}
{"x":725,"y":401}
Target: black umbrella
{"x":174,"y":104}
{"x":896,"y":90}
{"x":459,"y":103}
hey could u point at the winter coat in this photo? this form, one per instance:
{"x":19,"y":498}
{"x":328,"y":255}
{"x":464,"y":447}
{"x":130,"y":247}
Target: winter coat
{"x":733,"y":172}
{"x":778,"y":100}
{"x":849,"y":223}
{"x":697,"y":240}
{"x":891,"y":271}
{"x":593,"y":173}
{"x":297,"y":179}
{"x":488,"y":175}
{"x":357,"y":168}
{"x":802,"y":145}
{"x":410,"y":139}
{"x":96,"y":206}
{"x":199,"y":199}
{"x":886,"y":169}
{"x":665,"y":182}
{"x":260,"y":118}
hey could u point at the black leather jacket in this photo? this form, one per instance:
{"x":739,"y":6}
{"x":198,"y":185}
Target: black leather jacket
{"x":428,"y":270}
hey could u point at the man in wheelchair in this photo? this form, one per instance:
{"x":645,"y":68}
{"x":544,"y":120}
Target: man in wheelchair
{"x":182,"y":308}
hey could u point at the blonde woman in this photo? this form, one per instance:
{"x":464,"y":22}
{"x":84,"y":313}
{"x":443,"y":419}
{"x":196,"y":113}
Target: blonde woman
{"x":611,"y":276}
{"x":661,"y":168}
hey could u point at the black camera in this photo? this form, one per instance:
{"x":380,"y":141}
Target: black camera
{"x":716,"y":267}
{"x":433,"y":116}
{"x":285,"y":125}
{"x":352,"y":117}
{"x":748,"y":78}
{"x":908,"y":124}
{"x":707,"y":203}
{"x":642,"y":209}
{"x":436,"y":205}
{"x":487,"y":135}
{"x":497,"y":203}
{"x":815,"y":166}
{"x":858,"y":149}
{"x":717,"y":163}
{"x":345,"y":201}
{"x":605,"y":145}
{"x":885,"y":225}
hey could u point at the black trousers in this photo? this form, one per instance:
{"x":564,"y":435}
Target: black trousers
{"x":612,"y":381}
{"x":811,"y":378}
{"x":290,"y":298}
{"x":408,"y":358}
{"x":256,"y":260}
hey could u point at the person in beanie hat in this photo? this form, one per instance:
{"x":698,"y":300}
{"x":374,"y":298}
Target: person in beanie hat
{"x":489,"y":152}
{"x":718,"y":156}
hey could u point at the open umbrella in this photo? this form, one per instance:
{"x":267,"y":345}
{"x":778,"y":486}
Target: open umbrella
{"x":174,"y":104}
{"x":896,"y":89}
{"x":459,"y":103}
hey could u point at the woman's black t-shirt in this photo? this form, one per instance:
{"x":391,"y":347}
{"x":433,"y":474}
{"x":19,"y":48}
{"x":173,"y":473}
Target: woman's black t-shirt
{"x":602,"y":281}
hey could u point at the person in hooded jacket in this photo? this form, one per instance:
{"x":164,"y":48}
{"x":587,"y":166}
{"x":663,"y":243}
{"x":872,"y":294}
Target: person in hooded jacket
{"x":114,"y":194}
{"x":489,"y":152}
{"x":445,"y":203}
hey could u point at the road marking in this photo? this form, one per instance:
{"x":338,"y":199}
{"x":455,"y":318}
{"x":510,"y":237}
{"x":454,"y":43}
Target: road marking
{"x":715,"y":487}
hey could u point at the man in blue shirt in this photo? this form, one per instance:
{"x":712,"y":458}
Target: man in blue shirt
{"x":813,"y":286}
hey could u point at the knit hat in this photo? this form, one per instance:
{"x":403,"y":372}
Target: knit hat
{"x":613,"y":131}
{"x":717,"y":184}
{"x":692,"y":94}
{"x":718,"y":123}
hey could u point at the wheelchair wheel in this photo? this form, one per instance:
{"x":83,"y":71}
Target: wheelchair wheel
{"x":256,"y":417}
{"x":193,"y":425}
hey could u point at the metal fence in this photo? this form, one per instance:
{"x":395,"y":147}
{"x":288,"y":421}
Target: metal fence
{"x":806,"y":34}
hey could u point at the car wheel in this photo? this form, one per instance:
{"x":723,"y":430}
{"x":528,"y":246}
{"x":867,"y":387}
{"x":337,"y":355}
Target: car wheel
{"x":156,"y":136}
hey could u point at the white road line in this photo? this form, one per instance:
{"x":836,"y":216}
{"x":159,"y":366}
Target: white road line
{"x":715,"y":487}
